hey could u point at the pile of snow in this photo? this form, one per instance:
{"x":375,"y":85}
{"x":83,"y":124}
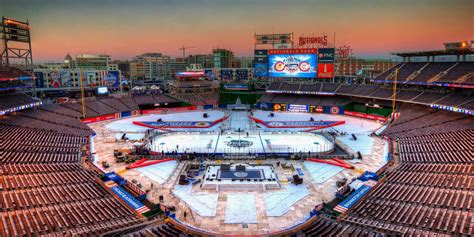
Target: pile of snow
{"x":321,"y":172}
{"x":279,"y":203}
{"x":240,"y":208}
{"x":204,"y":204}
{"x":130,"y":136}
{"x":363,"y":143}
{"x":158,"y":172}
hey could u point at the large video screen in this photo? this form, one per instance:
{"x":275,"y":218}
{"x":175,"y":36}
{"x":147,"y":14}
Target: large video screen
{"x":292,"y":65}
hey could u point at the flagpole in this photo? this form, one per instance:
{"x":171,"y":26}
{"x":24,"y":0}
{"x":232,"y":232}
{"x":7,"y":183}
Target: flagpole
{"x":394,"y":90}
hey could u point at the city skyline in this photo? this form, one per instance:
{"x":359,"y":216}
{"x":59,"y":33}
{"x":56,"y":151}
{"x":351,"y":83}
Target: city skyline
{"x":124,"y":29}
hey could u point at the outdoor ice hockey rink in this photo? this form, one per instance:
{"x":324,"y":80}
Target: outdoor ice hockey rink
{"x":232,"y":142}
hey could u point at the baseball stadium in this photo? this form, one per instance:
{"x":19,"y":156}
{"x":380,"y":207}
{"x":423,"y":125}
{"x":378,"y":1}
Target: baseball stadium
{"x":306,"y":141}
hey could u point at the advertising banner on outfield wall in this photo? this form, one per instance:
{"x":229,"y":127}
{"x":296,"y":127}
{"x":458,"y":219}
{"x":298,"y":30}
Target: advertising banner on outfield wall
{"x":333,"y":110}
{"x":316,"y":109}
{"x":101,"y":118}
{"x":210,"y":74}
{"x":261,"y":56}
{"x":55,"y":79}
{"x":326,"y":55}
{"x":91,"y":78}
{"x":39,"y":82}
{"x":169,"y":110}
{"x":279,"y":107}
{"x":226,"y":74}
{"x":325,"y":70}
{"x":264,"y":106}
{"x":66,"y":78}
{"x":297,"y":108}
{"x":241,"y":74}
{"x":112,"y":79}
{"x":366,"y":116}
{"x":260,"y":70}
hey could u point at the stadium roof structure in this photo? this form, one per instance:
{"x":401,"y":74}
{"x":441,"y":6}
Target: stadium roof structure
{"x":466,"y":51}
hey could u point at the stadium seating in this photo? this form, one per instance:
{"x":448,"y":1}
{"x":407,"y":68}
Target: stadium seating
{"x":431,"y":190}
{"x":15,"y":100}
{"x":456,"y":100}
{"x":327,"y":227}
{"x":457,"y":73}
{"x":12,"y":72}
{"x":304,"y":99}
{"x":289,"y":91}
{"x":421,"y":120}
{"x":161,"y":229}
{"x":44,"y":188}
{"x":422,"y":72}
{"x":115,"y":103}
{"x":199,"y":99}
{"x":432,"y":70}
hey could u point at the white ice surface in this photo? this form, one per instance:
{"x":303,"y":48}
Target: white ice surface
{"x":321,"y":172}
{"x":240,"y":208}
{"x":361,"y":128}
{"x":239,"y":119}
{"x":158,"y":172}
{"x":204,"y":204}
{"x":295,"y":142}
{"x":130,"y":136}
{"x":189,"y":142}
{"x":126,"y":125}
{"x":212,"y":142}
{"x":363,"y":143}
{"x":352,"y":124}
{"x":279,"y":203}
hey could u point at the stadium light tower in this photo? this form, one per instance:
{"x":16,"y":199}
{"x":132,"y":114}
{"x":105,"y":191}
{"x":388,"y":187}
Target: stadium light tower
{"x":16,"y":43}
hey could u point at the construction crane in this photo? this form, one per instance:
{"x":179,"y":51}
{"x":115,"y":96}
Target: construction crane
{"x":184,"y":50}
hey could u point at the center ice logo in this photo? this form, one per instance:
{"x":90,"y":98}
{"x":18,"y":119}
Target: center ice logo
{"x":239,"y":143}
{"x":241,"y":174}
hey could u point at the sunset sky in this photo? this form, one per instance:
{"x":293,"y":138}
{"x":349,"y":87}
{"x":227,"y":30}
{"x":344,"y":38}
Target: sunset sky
{"x":123,"y":29}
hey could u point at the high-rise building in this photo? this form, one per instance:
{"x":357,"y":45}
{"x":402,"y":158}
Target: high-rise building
{"x":124,"y":67}
{"x":222,"y":58}
{"x":93,"y":61}
{"x":176,"y":66}
{"x":206,"y":60}
{"x":242,"y":62}
{"x":150,"y":67}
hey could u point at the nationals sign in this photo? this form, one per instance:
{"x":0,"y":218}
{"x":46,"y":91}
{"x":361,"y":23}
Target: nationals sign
{"x":321,"y":40}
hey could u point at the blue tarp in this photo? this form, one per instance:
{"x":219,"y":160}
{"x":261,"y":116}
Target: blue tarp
{"x":115,"y":177}
{"x":367,"y":175}
{"x":353,"y":198}
{"x":125,"y":114}
{"x":127,"y":197}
